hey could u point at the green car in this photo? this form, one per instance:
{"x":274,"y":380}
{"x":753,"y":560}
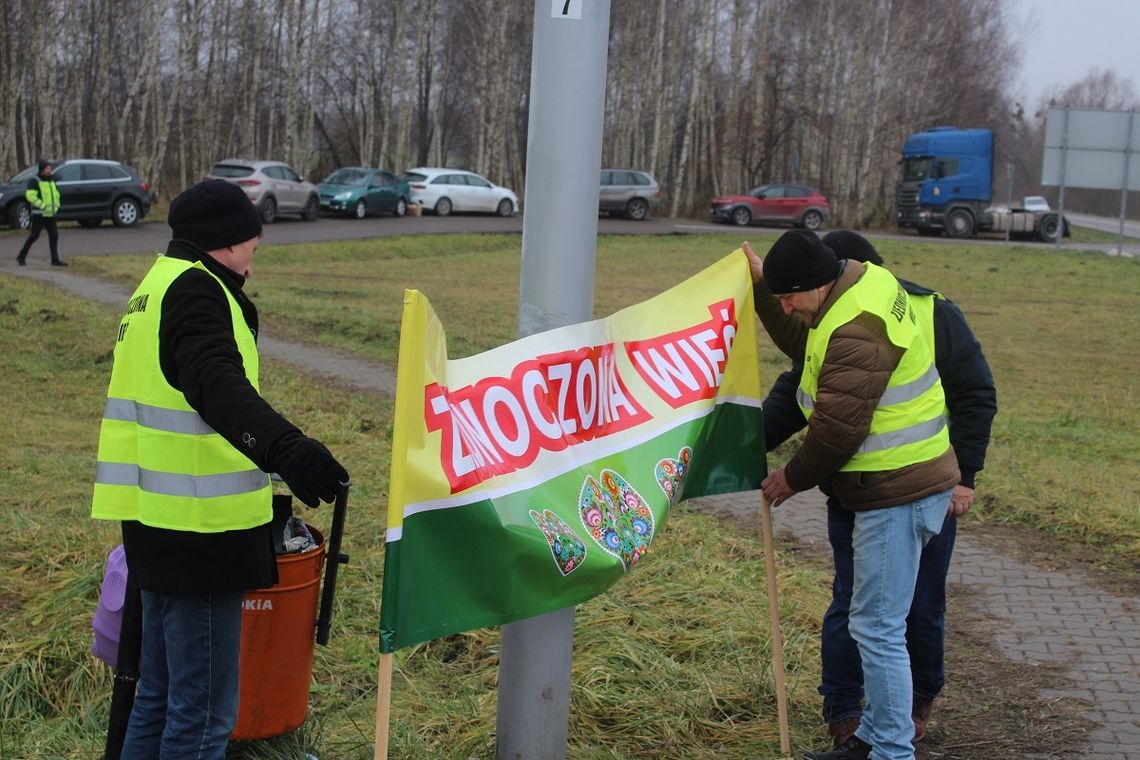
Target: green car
{"x":361,"y":192}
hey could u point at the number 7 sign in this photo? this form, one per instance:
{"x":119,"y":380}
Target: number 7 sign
{"x":571,"y":9}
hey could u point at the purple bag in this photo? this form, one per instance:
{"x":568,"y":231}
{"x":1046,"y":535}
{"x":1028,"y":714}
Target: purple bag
{"x":109,"y":612}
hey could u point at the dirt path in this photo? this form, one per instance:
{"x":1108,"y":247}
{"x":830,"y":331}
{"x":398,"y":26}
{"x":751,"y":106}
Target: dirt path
{"x":1041,"y":663}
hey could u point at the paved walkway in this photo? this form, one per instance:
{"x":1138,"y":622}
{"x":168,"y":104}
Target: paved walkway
{"x":1049,"y":617}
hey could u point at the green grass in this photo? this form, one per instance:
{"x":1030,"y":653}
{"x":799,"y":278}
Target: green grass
{"x":1061,"y":337}
{"x":1059,"y":330}
{"x":673,"y":662}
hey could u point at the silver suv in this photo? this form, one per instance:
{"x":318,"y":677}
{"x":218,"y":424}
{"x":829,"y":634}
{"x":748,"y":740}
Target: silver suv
{"x":272,"y":186}
{"x":630,"y":193}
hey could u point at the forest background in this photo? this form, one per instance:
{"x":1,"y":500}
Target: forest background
{"x":710,"y":96}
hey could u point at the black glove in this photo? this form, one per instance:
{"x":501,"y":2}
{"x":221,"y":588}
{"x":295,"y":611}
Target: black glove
{"x":308,"y":468}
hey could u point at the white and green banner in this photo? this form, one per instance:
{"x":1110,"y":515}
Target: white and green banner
{"x":531,"y":477}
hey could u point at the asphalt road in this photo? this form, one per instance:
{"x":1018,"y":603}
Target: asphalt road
{"x":150,"y":237}
{"x":1131,"y":228}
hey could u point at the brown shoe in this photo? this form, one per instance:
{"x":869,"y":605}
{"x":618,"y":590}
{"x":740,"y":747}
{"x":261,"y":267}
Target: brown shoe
{"x":920,"y":714}
{"x":842,"y":730}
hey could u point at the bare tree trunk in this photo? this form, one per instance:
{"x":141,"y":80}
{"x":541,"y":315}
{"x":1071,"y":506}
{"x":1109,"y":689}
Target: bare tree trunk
{"x":294,"y":13}
{"x":306,"y":116}
{"x":657,"y":72}
{"x":10,"y":23}
{"x":684,"y":191}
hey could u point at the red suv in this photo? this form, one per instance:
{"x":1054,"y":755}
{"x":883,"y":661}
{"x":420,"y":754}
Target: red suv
{"x":773,"y":204}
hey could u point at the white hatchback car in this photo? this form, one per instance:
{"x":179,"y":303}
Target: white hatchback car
{"x":445,"y":190}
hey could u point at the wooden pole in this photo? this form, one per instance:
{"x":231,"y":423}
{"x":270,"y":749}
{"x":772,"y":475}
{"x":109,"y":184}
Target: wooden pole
{"x":774,"y":618}
{"x":383,"y":706}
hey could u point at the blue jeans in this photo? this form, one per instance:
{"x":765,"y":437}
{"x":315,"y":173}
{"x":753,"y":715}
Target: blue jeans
{"x":187,"y":699}
{"x":887,"y":544}
{"x":842,"y":682}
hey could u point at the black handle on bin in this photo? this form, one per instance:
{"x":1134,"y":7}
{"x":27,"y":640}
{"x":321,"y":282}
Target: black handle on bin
{"x":333,"y":560}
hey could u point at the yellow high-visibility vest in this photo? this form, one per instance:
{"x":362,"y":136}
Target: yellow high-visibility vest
{"x":44,"y":200}
{"x":159,"y":462}
{"x":909,"y":424}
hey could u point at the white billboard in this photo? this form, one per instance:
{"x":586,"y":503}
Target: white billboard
{"x":1092,"y":148}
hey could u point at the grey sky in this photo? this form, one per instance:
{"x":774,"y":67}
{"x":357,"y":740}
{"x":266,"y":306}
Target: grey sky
{"x":1072,"y":36}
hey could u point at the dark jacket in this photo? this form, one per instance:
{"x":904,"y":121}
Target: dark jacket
{"x":966,"y":379}
{"x":198,"y":356}
{"x":857,"y":366}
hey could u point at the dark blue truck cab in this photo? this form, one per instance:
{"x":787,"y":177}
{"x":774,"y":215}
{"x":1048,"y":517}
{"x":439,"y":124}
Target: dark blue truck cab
{"x":947,"y":186}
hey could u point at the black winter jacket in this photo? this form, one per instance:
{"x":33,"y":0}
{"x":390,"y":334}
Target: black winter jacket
{"x":199,"y":357}
{"x":966,"y":380}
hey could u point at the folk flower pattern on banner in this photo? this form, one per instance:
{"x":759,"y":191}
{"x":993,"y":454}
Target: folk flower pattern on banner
{"x":670,"y":473}
{"x":616,"y":516}
{"x":568,"y":550}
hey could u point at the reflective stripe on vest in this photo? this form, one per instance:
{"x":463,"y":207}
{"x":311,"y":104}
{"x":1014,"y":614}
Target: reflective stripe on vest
{"x":175,"y":484}
{"x":159,"y":462}
{"x":909,"y":424}
{"x":896,"y":395}
{"x":918,"y":432}
{"x":155,"y":417}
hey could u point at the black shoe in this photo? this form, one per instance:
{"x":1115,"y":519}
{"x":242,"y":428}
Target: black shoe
{"x":20,"y":260}
{"x":59,"y":263}
{"x":853,"y":749}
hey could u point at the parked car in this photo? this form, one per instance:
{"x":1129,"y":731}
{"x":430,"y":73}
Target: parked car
{"x":272,"y":186}
{"x":90,"y":190}
{"x":1034,"y":203}
{"x":773,"y":204}
{"x":359,"y":191}
{"x":626,"y":192}
{"x":446,"y":190}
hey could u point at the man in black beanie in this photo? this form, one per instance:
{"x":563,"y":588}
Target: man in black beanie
{"x":876,"y":431}
{"x":971,"y":401}
{"x":185,"y":446}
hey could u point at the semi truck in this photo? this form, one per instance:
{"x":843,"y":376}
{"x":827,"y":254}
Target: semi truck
{"x":947,"y":187}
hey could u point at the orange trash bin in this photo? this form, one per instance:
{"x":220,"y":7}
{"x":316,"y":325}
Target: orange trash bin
{"x":280,"y":626}
{"x":277,"y":636}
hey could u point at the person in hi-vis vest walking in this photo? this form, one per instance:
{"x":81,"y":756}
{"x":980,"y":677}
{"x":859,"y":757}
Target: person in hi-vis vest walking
{"x":185,"y":446}
{"x":43,"y":197}
{"x":877,"y":429}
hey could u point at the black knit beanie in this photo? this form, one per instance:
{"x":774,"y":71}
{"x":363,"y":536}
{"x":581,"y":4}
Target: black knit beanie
{"x":851,"y":245}
{"x":43,"y":163}
{"x":799,"y":261}
{"x":214,"y":214}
